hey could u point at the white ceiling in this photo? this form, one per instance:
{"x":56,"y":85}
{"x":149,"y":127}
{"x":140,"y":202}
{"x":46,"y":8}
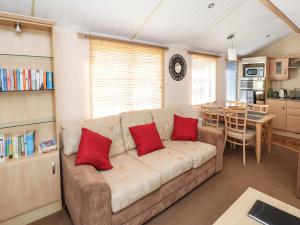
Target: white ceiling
{"x":170,"y":22}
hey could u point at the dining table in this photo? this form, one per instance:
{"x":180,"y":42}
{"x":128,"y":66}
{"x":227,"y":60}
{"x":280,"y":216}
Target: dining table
{"x":262,"y":122}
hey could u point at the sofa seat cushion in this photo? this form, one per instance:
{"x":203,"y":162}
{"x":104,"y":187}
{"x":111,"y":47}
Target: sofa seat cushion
{"x":200,"y":152}
{"x":167,"y":162}
{"x":129,"y":181}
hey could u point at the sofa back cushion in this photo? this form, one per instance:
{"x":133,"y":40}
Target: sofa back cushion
{"x":71,"y":134}
{"x":163,"y":119}
{"x":130,"y":119}
{"x":110,"y":127}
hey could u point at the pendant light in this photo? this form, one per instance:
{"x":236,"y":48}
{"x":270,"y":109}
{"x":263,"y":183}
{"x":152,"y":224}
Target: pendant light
{"x":232,"y":55}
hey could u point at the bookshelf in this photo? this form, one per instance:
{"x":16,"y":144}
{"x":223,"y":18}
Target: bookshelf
{"x":30,"y":184}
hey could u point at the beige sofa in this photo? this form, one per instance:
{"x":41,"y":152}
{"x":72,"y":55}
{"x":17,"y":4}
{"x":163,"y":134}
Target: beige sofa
{"x":137,"y":188}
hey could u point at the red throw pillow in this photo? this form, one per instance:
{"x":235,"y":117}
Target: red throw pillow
{"x":185,"y":129}
{"x":146,"y":138}
{"x":94,"y":150}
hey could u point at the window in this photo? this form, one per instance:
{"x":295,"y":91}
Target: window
{"x":203,"y":79}
{"x":124,"y":77}
{"x":231,"y":81}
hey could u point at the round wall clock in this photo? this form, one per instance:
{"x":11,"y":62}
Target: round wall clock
{"x":177,"y":67}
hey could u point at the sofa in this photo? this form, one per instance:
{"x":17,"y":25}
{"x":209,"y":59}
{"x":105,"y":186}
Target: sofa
{"x":137,"y":188}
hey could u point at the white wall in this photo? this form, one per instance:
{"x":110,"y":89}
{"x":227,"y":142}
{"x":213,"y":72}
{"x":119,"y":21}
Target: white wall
{"x":71,"y":56}
{"x":72,"y":77}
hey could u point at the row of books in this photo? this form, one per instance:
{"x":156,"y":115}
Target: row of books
{"x":25,"y":79}
{"x":15,"y":146}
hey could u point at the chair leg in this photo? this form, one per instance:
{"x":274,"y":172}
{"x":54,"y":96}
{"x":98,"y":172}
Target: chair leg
{"x":244,"y":153}
{"x":225,"y":140}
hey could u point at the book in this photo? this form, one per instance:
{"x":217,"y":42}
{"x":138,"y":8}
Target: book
{"x":4,"y":79}
{"x":2,"y":148}
{"x":1,"y":79}
{"x":30,"y":142}
{"x":33,"y":80}
{"x":12,"y":80}
{"x":8,"y":79}
{"x":21,"y":80}
{"x":41,"y":74}
{"x":37,"y":79}
{"x":18,"y":79}
{"x":29,"y":80}
{"x":47,"y":146}
{"x":15,"y":80}
{"x":49,"y":76}
{"x":26,"y":80}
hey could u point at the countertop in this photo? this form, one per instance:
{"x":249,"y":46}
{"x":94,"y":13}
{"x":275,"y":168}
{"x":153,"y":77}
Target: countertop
{"x":285,"y":99}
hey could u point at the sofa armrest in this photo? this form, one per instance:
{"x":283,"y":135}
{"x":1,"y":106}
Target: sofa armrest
{"x":86,"y":193}
{"x":216,"y":138}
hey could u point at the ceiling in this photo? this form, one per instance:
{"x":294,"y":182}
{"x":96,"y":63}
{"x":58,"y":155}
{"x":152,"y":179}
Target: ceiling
{"x":170,"y":22}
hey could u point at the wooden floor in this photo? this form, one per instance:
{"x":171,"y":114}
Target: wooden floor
{"x":287,"y":142}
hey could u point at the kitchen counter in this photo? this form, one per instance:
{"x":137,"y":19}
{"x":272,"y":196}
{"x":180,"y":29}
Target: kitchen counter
{"x":284,"y":99}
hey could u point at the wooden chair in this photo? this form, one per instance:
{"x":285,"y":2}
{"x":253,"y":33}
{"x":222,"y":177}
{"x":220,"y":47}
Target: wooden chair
{"x":257,"y":108}
{"x":236,"y":131}
{"x":234,"y":104}
{"x":211,"y":118}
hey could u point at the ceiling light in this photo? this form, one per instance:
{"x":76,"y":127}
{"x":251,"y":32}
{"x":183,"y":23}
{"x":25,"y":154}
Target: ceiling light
{"x":18,"y":28}
{"x":232,"y":55}
{"x":211,"y":5}
{"x":268,"y":35}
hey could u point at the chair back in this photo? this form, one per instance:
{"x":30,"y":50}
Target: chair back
{"x":257,"y":108}
{"x":236,"y":121}
{"x":234,"y":104}
{"x":210,"y":116}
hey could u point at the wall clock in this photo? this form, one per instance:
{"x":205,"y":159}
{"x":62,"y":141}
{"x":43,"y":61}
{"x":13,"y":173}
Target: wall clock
{"x":177,"y":67}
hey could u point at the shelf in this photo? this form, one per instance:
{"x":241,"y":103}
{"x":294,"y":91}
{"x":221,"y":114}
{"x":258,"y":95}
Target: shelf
{"x":27,"y":91}
{"x":22,"y":158}
{"x":24,"y":55}
{"x":27,"y":122}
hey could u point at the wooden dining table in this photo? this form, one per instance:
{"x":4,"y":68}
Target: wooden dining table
{"x":260,"y":121}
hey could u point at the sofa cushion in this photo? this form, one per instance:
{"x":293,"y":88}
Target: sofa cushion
{"x":164,"y":120}
{"x":167,"y":162}
{"x":199,"y":151}
{"x":146,"y":138}
{"x":71,"y":134}
{"x":129,"y":181}
{"x":185,"y":128}
{"x":94,"y":150}
{"x":130,"y":119}
{"x":110,"y":127}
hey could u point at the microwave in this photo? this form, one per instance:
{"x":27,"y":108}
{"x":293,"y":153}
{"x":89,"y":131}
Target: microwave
{"x":254,"y":72}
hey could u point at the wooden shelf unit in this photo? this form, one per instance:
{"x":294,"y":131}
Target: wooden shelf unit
{"x":30,"y":185}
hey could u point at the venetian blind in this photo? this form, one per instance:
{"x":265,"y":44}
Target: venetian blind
{"x":231,"y":81}
{"x":124,"y":76}
{"x":203,"y":79}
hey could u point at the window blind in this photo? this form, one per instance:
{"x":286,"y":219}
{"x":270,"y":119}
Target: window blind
{"x":203,"y":88}
{"x":124,"y":77}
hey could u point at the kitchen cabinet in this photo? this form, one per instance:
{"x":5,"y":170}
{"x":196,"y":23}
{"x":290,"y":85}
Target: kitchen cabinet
{"x":293,"y":116}
{"x":278,"y":108}
{"x":279,"y":69}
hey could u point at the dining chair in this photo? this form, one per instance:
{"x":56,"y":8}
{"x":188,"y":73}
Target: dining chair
{"x":234,"y":104}
{"x":211,"y":117}
{"x":236,"y":131}
{"x":257,"y":108}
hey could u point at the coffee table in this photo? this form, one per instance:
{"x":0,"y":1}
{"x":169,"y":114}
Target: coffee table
{"x":237,"y":213}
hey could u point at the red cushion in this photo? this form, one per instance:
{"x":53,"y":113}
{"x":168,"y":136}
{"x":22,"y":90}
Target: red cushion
{"x":185,"y":129}
{"x":94,"y":150}
{"x":146,"y":138}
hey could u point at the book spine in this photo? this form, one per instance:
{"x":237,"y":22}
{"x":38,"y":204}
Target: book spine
{"x":15,"y":79}
{"x":26,"y":80}
{"x":33,"y":80}
{"x":21,"y":79}
{"x":29,"y":80}
{"x":37,"y":78}
{"x":12,"y":80}
{"x":1,"y":79}
{"x":49,"y":80}
{"x":41,"y":79}
{"x":2,"y":148}
{"x":8,"y":79}
{"x":4,"y":79}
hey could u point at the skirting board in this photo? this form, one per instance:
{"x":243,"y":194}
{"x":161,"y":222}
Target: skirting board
{"x":34,"y":215}
{"x":286,"y":133}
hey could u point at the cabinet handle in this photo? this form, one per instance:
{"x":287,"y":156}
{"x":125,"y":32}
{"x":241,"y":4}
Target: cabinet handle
{"x":283,"y":108}
{"x":53,"y":167}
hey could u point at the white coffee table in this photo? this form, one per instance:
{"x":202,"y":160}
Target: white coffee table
{"x":236,"y":214}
